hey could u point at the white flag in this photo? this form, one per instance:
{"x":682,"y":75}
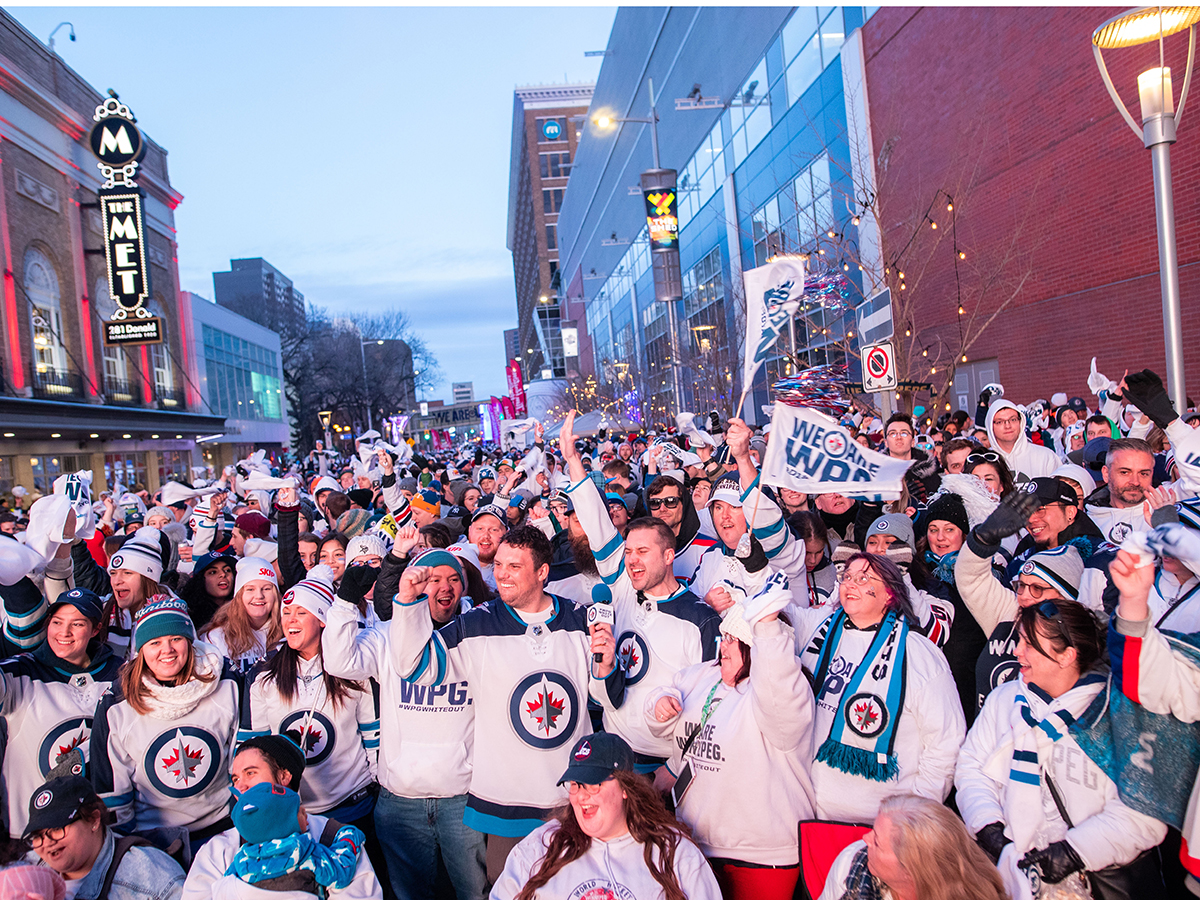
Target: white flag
{"x":811,"y":453}
{"x":772,"y":296}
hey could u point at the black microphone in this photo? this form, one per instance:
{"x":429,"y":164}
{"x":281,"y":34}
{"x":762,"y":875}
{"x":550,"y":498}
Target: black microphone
{"x":601,"y":611}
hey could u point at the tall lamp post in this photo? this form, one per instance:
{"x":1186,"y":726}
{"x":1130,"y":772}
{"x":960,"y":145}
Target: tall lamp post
{"x":1160,"y":118}
{"x":664,"y":252}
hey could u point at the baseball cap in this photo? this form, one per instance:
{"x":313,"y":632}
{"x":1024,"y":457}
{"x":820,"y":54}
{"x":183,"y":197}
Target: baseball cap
{"x":728,"y":490}
{"x":490,"y":509}
{"x":1077,"y":404}
{"x":57,"y":803}
{"x":88,"y":604}
{"x":595,"y":757}
{"x":1051,"y":490}
{"x":1094,"y":453}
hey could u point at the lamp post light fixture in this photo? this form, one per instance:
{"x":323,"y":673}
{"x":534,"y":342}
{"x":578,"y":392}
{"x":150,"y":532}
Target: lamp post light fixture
{"x":326,"y":416}
{"x":1160,"y":119}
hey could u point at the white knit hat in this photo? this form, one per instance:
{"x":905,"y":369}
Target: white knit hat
{"x":253,"y":568}
{"x":142,"y":553}
{"x":314,"y":593}
{"x":364,"y":545}
{"x":268,"y":550}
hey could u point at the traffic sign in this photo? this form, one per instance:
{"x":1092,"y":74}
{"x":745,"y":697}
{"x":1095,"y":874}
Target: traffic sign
{"x":879,"y":367}
{"x":874,"y":317}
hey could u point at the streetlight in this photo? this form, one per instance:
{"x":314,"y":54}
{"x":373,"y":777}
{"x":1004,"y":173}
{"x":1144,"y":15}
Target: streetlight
{"x":366,"y":384}
{"x":326,"y":416}
{"x":1159,"y":122}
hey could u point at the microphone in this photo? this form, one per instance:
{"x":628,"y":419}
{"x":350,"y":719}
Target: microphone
{"x":601,"y":611}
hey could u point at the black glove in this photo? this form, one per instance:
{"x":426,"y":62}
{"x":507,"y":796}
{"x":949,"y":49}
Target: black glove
{"x":1055,"y":863}
{"x":714,"y":422}
{"x":357,"y":582}
{"x":992,"y":841}
{"x":986,"y":395}
{"x":1007,"y":518}
{"x":1145,"y":390}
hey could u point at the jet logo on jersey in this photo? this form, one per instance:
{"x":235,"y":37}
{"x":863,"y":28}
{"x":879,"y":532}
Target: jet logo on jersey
{"x":866,"y":714}
{"x":61,"y":740}
{"x":633,"y":657}
{"x":318,"y":736}
{"x":544,"y":710}
{"x":183,"y":762}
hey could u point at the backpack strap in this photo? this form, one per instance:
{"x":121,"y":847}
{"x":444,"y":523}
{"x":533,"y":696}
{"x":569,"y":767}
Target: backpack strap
{"x":119,"y":850}
{"x":329,"y":832}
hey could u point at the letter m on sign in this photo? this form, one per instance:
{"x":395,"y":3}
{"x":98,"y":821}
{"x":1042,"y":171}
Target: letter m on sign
{"x":126,"y":229}
{"x":118,"y":142}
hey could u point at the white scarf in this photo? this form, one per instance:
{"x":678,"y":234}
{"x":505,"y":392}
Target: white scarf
{"x":175,"y":702}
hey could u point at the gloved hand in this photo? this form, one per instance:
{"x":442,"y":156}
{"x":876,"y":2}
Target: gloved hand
{"x":1098,"y":383}
{"x":1145,"y":390}
{"x":357,"y":582}
{"x":1055,"y":863}
{"x":1177,"y":541}
{"x":1007,"y":518}
{"x":989,"y":393}
{"x":992,"y":841}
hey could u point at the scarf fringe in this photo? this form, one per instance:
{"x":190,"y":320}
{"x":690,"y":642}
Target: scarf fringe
{"x":857,"y":761}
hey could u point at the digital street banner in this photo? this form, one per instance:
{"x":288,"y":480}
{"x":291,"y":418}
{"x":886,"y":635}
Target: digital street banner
{"x":811,"y":453}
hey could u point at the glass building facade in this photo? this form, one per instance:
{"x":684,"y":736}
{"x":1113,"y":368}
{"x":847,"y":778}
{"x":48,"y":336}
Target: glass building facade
{"x":753,"y":116}
{"x":243,"y":378}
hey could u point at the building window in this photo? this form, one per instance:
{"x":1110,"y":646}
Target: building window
{"x":174,"y":464}
{"x":768,"y":236}
{"x":551,"y":237}
{"x":47,"y":468}
{"x":41,"y":287}
{"x":128,"y":469}
{"x":116,"y":362}
{"x":814,"y":201}
{"x":555,"y":165}
{"x":551,"y":129}
{"x":807,"y":49}
{"x":243,"y":378}
{"x":160,"y":362}
{"x":552,"y":199}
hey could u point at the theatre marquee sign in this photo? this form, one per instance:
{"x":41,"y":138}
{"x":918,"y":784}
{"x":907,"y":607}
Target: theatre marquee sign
{"x":118,"y":144}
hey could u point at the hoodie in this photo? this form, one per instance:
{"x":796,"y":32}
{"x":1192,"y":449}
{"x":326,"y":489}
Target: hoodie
{"x":1026,"y":459}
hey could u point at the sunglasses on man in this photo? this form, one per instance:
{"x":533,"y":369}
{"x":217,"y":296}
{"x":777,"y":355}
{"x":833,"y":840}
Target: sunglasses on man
{"x":659,"y":502}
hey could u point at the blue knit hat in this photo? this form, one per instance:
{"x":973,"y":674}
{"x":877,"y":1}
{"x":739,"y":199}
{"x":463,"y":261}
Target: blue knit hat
{"x":164,"y":616}
{"x":434,"y":558}
{"x":266,"y":812}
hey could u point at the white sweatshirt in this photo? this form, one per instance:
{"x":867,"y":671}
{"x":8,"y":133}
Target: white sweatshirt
{"x":341,"y":741}
{"x":655,"y":638}
{"x":427,"y":734}
{"x":529,"y":677}
{"x":1026,"y":459}
{"x":615,"y":868}
{"x":752,"y":762}
{"x":208,"y":871}
{"x":928,"y":735}
{"x":1106,"y":832}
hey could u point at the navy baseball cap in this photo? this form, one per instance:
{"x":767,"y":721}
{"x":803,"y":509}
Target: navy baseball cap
{"x":1094,"y":453}
{"x":87,"y":602}
{"x":595,"y":757}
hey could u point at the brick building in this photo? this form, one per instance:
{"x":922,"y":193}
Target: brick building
{"x":547,"y":124}
{"x":1005,"y":109}
{"x":66,"y":400}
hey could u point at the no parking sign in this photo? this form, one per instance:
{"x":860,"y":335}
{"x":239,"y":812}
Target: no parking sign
{"x":879,"y":367}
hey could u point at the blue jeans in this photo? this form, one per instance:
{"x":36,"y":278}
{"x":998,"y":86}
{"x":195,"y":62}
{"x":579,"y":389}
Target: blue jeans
{"x":412,"y":832}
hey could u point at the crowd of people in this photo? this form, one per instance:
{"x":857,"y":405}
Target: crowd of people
{"x":618,"y":666}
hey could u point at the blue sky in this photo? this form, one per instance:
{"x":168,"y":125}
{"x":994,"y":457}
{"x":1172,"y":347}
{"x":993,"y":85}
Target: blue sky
{"x":363,"y":152}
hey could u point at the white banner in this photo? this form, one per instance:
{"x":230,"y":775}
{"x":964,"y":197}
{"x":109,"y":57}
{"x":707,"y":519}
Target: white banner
{"x":810,"y":452}
{"x":772,"y":296}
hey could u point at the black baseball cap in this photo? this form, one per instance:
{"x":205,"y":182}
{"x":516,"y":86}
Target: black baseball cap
{"x":57,"y":803}
{"x":595,"y":757}
{"x":1051,"y":490}
{"x":86,"y":602}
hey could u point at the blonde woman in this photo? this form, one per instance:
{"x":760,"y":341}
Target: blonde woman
{"x":248,"y":626}
{"x":918,"y":850}
{"x":163,"y":737}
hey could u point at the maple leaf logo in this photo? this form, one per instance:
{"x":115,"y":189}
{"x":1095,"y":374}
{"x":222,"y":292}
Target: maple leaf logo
{"x":71,"y":745}
{"x":182,"y":761}
{"x":630,"y":657}
{"x":866,"y":714}
{"x":312,"y":737}
{"x":545,"y":709}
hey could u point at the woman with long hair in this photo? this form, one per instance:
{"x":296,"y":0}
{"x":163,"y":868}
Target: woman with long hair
{"x":210,"y":587}
{"x":888,"y":715}
{"x":917,"y":850}
{"x":742,"y":728}
{"x":1027,"y":788}
{"x":614,"y":836}
{"x":163,"y":735}
{"x":821,"y":576}
{"x":134,"y":575}
{"x":990,"y":468}
{"x":248,"y":626}
{"x":337,"y":720}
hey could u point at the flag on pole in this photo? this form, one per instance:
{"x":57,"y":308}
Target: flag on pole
{"x":772,"y":296}
{"x":811,"y":453}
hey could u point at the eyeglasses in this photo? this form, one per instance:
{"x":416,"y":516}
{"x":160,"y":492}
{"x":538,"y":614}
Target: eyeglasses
{"x":668,"y":502}
{"x":579,"y":787}
{"x":900,"y":432}
{"x":50,"y":834}
{"x":1035,"y":591}
{"x":862,"y":579}
{"x":982,"y":457}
